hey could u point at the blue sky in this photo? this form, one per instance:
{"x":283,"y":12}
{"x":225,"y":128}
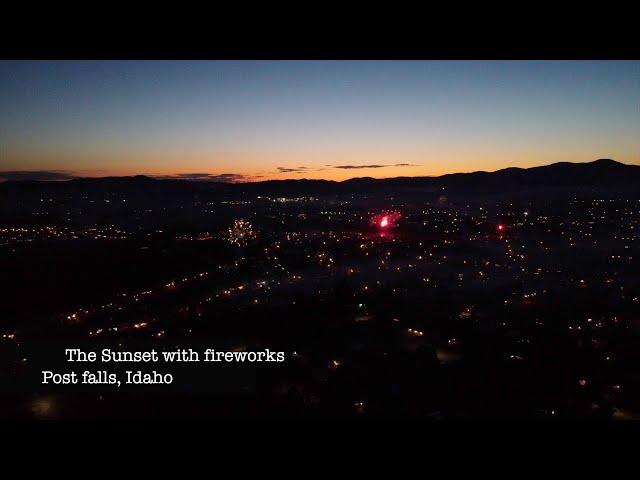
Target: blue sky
{"x":303,"y":119}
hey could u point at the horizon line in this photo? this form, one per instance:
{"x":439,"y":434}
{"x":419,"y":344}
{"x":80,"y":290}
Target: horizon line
{"x":66,"y":176}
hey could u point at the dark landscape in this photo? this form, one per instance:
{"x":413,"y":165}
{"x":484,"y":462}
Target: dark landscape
{"x":512,"y":294}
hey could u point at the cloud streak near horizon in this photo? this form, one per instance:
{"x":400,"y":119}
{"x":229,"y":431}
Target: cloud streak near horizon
{"x":292,"y":169}
{"x":210,"y":177}
{"x":38,"y":175}
{"x":355,"y":167}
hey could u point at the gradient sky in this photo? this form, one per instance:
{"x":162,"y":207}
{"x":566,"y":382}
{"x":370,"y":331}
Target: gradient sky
{"x":263,"y":120}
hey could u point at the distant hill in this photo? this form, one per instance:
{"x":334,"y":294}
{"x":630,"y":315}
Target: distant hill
{"x":603,"y":173}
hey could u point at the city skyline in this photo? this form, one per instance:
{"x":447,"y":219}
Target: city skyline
{"x":247,"y":121}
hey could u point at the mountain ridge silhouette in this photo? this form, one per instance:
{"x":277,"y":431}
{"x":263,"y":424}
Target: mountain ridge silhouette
{"x":598,"y":173}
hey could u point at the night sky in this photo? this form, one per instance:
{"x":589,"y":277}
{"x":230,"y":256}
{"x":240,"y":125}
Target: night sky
{"x":249,"y":120}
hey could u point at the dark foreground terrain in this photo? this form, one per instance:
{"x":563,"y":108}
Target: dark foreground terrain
{"x":506,"y":295}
